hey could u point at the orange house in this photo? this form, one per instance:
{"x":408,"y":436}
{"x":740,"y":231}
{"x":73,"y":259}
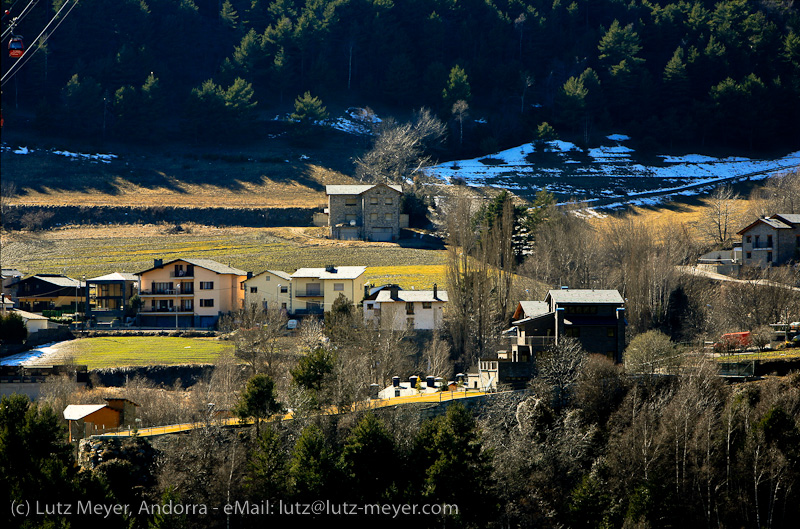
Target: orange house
{"x":93,"y":419}
{"x":189,"y":293}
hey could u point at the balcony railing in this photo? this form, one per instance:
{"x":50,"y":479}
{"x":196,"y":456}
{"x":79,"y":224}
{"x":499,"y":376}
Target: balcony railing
{"x":309,"y":294}
{"x":168,"y":292}
{"x":166,"y":310}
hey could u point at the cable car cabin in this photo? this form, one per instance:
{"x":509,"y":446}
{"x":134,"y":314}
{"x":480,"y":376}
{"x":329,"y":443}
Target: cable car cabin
{"x":16,"y":47}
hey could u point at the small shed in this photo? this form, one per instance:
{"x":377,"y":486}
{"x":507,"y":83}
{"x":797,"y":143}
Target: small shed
{"x":92,"y":419}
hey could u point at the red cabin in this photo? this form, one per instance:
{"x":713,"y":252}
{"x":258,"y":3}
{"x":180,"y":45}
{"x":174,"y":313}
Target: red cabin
{"x":16,"y":47}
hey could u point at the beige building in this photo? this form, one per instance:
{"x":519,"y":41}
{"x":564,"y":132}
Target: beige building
{"x":269,"y":289}
{"x":398,"y":309}
{"x":189,"y":293}
{"x":313,"y":290}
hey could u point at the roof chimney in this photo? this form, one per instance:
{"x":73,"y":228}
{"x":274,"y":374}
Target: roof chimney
{"x":157,"y":262}
{"x":435,"y":292}
{"x":393,"y":291}
{"x":330,"y":269}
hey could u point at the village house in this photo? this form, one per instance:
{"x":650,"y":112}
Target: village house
{"x":596,"y":318}
{"x":268,"y":290}
{"x":189,"y":292}
{"x":107,"y":298}
{"x":398,"y":309}
{"x":365,"y":212}
{"x":48,"y":292}
{"x":771,"y":241}
{"x":313,"y":290}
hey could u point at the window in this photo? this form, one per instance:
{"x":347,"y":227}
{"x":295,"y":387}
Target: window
{"x":206,"y":302}
{"x":162,"y":288}
{"x":749,"y":255}
{"x":206,"y":285}
{"x":373,"y":201}
{"x":283,"y":306}
{"x":749,"y":239}
{"x":769,"y":257}
{"x":611,"y":332}
{"x":369,"y":306}
{"x":373,"y":216}
{"x":573,"y":332}
{"x":388,"y":201}
{"x":409,"y":308}
{"x":284,"y":289}
{"x":426,"y":304}
{"x":769,"y":241}
{"x":241,"y":285}
{"x":410,"y":323}
{"x":338,"y":287}
{"x":267,"y":278}
{"x":387,"y":216}
{"x":757,"y":240}
{"x":253,"y":290}
{"x":351,"y":201}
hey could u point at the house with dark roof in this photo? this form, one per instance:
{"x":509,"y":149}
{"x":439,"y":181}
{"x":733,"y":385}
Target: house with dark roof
{"x":189,"y":292}
{"x":398,"y":309}
{"x":364,"y":212}
{"x":596,"y":318}
{"x":48,"y":292}
{"x":770,"y":241}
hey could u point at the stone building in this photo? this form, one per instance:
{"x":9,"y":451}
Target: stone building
{"x":364,"y":212}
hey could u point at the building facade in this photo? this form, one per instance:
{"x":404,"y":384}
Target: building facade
{"x":771,"y":241}
{"x":48,"y":292}
{"x":189,"y":293}
{"x":270,"y":289}
{"x":394,"y":308}
{"x":313,"y":290}
{"x":107,"y":298}
{"x":364,"y":212}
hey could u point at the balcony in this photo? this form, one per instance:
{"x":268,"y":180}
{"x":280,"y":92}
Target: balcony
{"x":309,"y":294}
{"x":167,"y":292}
{"x":183,"y":274}
{"x":166,"y":310}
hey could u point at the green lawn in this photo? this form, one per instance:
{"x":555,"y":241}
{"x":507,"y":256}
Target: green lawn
{"x":116,"y":351}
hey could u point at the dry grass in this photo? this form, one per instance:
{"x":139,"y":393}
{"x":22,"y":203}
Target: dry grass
{"x":98,"y":250}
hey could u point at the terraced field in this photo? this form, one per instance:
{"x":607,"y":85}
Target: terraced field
{"x":95,"y":251}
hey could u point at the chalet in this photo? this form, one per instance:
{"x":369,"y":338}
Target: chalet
{"x":596,"y":318}
{"x":364,"y":212}
{"x":48,"y":292}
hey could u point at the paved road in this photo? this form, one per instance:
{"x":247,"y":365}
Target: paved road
{"x":691,"y":270}
{"x":442,"y":396}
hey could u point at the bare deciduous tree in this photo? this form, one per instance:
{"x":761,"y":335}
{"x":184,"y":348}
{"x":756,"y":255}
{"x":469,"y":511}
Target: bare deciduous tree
{"x":400,"y":150}
{"x":256,"y":336}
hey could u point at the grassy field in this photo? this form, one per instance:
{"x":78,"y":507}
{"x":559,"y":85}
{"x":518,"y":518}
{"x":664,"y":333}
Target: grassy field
{"x":115,"y":351}
{"x":95,"y":251}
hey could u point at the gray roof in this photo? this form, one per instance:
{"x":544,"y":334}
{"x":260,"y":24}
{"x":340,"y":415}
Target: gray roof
{"x":790,"y":218}
{"x":585,"y":296}
{"x":208,"y":264}
{"x":534,"y":308}
{"x":58,"y":280}
{"x":341,"y":272}
{"x":357,"y":189}
{"x":282,"y":275}
{"x":411,"y":296}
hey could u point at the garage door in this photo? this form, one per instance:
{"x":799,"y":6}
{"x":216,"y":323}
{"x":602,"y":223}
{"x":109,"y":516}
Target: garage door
{"x":382,"y":234}
{"x":348,"y":234}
